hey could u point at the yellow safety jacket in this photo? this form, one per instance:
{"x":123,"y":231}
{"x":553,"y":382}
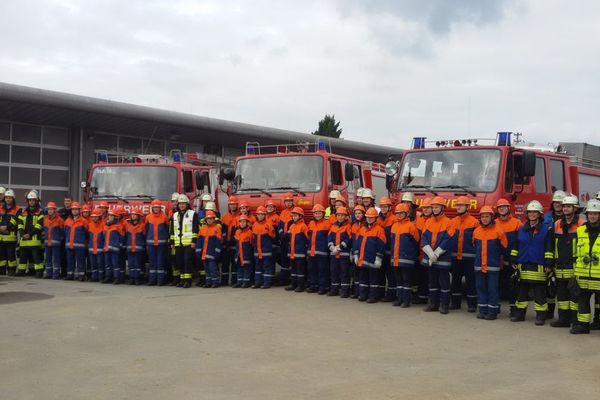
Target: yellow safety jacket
{"x":31,"y":222}
{"x":587,"y":266}
{"x":183,"y":233}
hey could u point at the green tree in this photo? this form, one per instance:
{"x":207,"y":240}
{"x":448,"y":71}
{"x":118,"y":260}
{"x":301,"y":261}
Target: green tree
{"x":328,"y":127}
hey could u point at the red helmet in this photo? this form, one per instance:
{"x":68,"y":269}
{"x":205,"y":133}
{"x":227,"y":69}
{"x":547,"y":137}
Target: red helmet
{"x":119,"y":211}
{"x":210,"y":214}
{"x":243,"y":217}
{"x":342,"y":210}
{"x":137,"y":211}
{"x":438,"y":201}
{"x":318,"y":208}
{"x":502,"y":202}
{"x":156,"y":203}
{"x":426,"y":202}
{"x":261,"y":210}
{"x":97,"y":212}
{"x":51,"y":204}
{"x":463,"y":201}
{"x":270,"y":203}
{"x":385,"y":201}
{"x":401,"y":208}
{"x":86,"y":207}
{"x":103,"y":204}
{"x":371,"y":213}
{"x":342,"y":199}
{"x":288,"y":196}
{"x":298,"y":210}
{"x":244,"y":204}
{"x":232,"y":200}
{"x":75,"y":205}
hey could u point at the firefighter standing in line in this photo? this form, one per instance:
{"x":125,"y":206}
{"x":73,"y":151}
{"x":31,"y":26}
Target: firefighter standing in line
{"x":243,"y":239}
{"x":404,"y":253}
{"x":285,"y":218}
{"x":340,"y":247}
{"x":369,"y":250}
{"x":273,"y":219}
{"x":330,"y":210}
{"x":359,"y":196}
{"x":550,"y":218}
{"x":462,"y":260}
{"x":96,"y":245}
{"x":528,"y":256}
{"x":204,"y":200}
{"x":157,"y":239}
{"x":437,"y":245}
{"x":184,"y":232}
{"x":31,"y":229}
{"x":422,"y":271}
{"x":103,"y":206}
{"x":113,"y":236}
{"x":209,"y":247}
{"x":562,"y":254}
{"x":388,"y":286}
{"x":76,"y":242}
{"x":174,"y":271}
{"x":9,"y":221}
{"x":229,"y":221}
{"x":357,"y":223}
{"x":2,"y":192}
{"x":318,"y":253}
{"x":408,"y":198}
{"x":587,"y":266}
{"x":510,"y":226}
{"x":368,"y":199}
{"x":263,"y":234}
{"x":297,"y":237}
{"x":135,"y":241}
{"x":53,"y":234}
{"x":490,"y":244}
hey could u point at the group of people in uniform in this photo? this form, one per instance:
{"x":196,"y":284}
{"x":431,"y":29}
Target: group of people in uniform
{"x":405,"y":253}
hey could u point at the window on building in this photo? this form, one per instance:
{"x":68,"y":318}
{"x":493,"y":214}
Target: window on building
{"x":4,"y":152}
{"x":4,"y":131}
{"x":59,"y":158}
{"x":130,"y":145}
{"x":52,"y":177}
{"x":540,"y":176}
{"x":25,"y":155}
{"x":557,"y":175}
{"x":25,"y":176}
{"x":106,"y":142}
{"x":27,"y":133}
{"x":4,"y":176}
{"x":55,"y":136}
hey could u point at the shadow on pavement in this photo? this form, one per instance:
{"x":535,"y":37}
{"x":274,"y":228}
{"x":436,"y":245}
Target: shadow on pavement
{"x":19,"y":297}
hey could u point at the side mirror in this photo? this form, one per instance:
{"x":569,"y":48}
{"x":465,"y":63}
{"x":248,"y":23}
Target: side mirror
{"x":349,"y":172}
{"x":83,"y":184}
{"x":528,"y":163}
{"x":227,"y":174}
{"x":237,"y":180}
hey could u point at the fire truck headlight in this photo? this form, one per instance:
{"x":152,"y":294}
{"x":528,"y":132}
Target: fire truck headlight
{"x":391,"y":168}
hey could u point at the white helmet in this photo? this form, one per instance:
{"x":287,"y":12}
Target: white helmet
{"x":535,"y":205}
{"x":175,"y":196}
{"x":210,"y":205}
{"x":408,"y":196}
{"x":570,"y":200}
{"x":597,"y":196}
{"x":593,"y":206}
{"x":9,"y":193}
{"x":32,"y":195}
{"x":368,"y":193}
{"x":206,"y":197}
{"x":334,"y":194}
{"x":558,"y":196}
{"x":360,"y":192}
{"x":182,"y":198}
{"x":2,"y":190}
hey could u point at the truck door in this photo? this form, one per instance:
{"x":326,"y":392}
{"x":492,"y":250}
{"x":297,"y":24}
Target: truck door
{"x":557,"y":175}
{"x":335,"y":175}
{"x":187,"y":187}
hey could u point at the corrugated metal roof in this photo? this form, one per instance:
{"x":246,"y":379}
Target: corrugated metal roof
{"x":39,"y":106}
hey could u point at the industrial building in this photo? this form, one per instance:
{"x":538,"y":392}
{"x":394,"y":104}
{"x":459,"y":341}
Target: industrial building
{"x":49,"y":139}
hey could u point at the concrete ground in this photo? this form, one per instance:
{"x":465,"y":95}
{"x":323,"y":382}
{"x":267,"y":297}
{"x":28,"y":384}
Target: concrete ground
{"x":65,"y":340}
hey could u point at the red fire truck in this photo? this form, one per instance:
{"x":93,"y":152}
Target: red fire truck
{"x":486,"y":172}
{"x":133,"y":182}
{"x":308,"y":170}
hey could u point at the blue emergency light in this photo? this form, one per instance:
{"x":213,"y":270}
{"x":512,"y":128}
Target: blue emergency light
{"x":102,"y":157}
{"x":250,"y":149}
{"x":176,"y":155}
{"x":503,"y":138}
{"x":322,"y":145}
{"x":418,"y":143}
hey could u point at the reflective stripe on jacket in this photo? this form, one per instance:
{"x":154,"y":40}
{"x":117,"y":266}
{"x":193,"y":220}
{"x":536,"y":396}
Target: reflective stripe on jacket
{"x":263,"y":237}
{"x":210,"y":242}
{"x":76,"y":234}
{"x":404,"y":244}
{"x":463,"y":226}
{"x":490,"y":244}
{"x":53,"y":230}
{"x":317,"y":237}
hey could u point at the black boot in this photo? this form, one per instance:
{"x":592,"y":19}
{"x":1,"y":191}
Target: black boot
{"x":431,"y":308}
{"x":290,"y":288}
{"x":371,"y":300}
{"x":491,"y":317}
{"x":444,"y":309}
{"x":397,"y":303}
{"x":20,"y":272}
{"x":580,"y":328}
{"x":175,"y":281}
{"x":550,"y":312}
{"x":2,"y":270}
{"x":595,"y":325}
{"x":187,"y":283}
{"x":39,"y":274}
{"x":518,"y":315}
{"x":11,"y":271}
{"x":344,"y":294}
{"x":563,"y":320}
{"x":540,"y":318}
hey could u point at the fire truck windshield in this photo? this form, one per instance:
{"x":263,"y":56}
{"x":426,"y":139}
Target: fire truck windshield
{"x":118,"y":181}
{"x":467,"y":169}
{"x":277,"y":173}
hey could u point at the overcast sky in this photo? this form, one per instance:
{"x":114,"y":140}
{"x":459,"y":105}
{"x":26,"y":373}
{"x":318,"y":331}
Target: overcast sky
{"x":389,"y":70}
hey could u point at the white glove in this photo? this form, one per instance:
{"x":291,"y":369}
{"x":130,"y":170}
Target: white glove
{"x":377,"y":262}
{"x":438,"y":252}
{"x":336,"y":250}
{"x":331,"y":248}
{"x":431,"y":262}
{"x":429,"y":252}
{"x":354,"y":259}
